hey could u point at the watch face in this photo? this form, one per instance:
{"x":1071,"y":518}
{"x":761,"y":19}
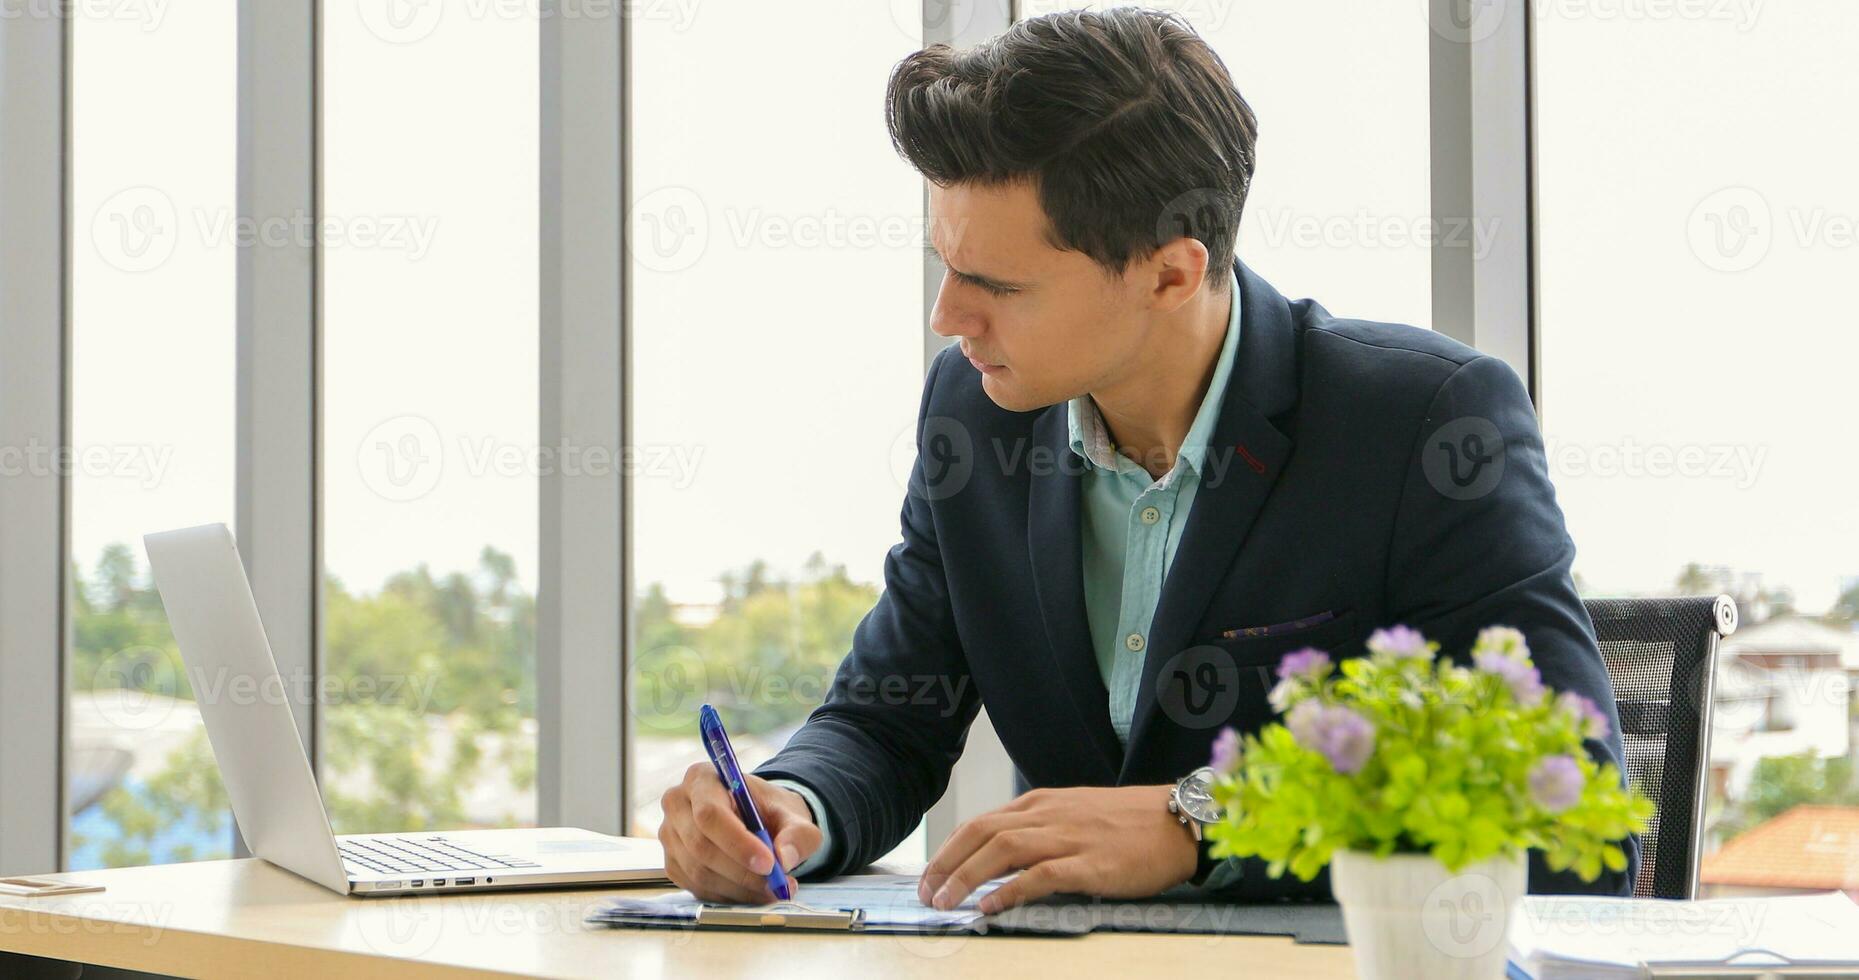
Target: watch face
{"x":1196,"y":800}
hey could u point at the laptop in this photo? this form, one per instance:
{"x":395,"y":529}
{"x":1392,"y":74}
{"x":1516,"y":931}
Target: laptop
{"x":267,"y":773}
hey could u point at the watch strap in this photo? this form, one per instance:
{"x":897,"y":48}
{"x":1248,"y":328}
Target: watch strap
{"x":1204,"y":865}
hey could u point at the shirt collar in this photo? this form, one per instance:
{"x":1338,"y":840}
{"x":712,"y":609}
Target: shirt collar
{"x":1090,"y":439}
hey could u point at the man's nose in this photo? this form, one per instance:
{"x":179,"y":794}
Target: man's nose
{"x":949,"y":318}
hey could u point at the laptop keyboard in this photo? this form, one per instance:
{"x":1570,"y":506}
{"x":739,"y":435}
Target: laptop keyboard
{"x":407,"y":855}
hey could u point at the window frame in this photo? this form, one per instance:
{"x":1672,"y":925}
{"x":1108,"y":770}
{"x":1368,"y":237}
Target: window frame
{"x":1481,"y":145}
{"x":35,"y":336}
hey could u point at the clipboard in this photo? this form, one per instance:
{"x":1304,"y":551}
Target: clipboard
{"x":886,"y":904}
{"x":779,"y":915}
{"x":872,"y":904}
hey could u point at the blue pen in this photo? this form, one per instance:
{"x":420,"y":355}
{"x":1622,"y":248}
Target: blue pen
{"x":716,"y":742}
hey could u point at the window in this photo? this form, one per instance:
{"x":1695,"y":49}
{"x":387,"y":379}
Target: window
{"x":1695,"y":224}
{"x":777,"y":344}
{"x":430,"y":416}
{"x":151,"y":402}
{"x":1341,"y":202}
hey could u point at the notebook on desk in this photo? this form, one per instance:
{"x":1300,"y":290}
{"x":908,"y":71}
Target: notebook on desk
{"x":888,"y":904}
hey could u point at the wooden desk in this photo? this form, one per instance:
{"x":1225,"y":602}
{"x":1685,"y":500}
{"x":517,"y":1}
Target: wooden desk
{"x":247,"y":918}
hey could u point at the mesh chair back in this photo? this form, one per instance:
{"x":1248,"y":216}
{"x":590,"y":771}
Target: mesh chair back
{"x":1661,"y":655}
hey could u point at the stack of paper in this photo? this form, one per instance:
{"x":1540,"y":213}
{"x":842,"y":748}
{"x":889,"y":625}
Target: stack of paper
{"x":886,"y":901}
{"x":1567,"y":937}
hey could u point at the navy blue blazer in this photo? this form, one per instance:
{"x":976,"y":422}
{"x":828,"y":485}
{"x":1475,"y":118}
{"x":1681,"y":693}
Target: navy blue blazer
{"x":1362,"y":474}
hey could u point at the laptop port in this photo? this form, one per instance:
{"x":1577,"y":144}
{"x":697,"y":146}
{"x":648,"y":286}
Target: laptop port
{"x":464,"y":881}
{"x":417,"y":882}
{"x":438,"y":882}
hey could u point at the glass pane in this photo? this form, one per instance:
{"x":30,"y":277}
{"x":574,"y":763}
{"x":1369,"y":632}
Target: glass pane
{"x":1696,"y":224}
{"x":1323,"y":219}
{"x":430,"y":415}
{"x":152,"y":126}
{"x":777,"y":362}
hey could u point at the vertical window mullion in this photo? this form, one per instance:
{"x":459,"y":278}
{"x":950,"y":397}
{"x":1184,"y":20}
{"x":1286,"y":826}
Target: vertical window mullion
{"x":34,"y":425}
{"x":583,"y":592}
{"x":1481,"y":177}
{"x":278,"y":451}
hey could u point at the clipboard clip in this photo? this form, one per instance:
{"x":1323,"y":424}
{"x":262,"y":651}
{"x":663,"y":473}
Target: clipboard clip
{"x":780,"y":915}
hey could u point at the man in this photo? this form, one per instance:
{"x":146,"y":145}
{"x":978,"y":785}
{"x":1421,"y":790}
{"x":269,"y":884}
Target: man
{"x":1143,"y":477}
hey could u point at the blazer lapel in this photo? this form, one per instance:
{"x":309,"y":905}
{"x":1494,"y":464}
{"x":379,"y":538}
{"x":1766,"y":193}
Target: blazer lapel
{"x":1054,"y":539}
{"x":1245,"y":458}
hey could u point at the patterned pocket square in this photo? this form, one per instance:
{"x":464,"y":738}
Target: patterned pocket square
{"x":1279,"y":629}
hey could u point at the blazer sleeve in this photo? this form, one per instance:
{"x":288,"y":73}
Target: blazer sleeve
{"x":878,"y":752}
{"x":1485,"y":544}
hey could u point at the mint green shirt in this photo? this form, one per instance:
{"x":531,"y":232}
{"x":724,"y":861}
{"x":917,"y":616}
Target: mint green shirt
{"x":1131,"y":526}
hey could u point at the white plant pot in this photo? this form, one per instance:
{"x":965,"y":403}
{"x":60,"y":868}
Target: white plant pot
{"x":1410,"y":917}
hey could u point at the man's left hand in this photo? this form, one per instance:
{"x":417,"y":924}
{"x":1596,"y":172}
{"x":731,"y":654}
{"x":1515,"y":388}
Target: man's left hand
{"x":1109,"y":842}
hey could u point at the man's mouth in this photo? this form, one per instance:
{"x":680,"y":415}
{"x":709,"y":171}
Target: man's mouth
{"x":985,"y":367}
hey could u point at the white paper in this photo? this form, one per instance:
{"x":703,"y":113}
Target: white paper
{"x":887,"y":900}
{"x":1625,"y":932}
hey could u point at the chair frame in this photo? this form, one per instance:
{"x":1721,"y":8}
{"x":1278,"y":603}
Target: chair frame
{"x":1723,"y":622}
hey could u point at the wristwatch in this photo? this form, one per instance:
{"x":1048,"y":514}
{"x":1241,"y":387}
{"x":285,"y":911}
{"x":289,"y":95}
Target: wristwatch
{"x":1192,"y":802}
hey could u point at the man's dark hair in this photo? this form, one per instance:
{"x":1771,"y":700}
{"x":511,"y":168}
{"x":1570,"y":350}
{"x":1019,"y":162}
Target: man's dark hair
{"x":1126,"y":122}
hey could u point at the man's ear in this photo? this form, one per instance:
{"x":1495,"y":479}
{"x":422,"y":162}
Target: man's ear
{"x":1173,"y":275}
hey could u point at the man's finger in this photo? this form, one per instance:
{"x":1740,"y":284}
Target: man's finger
{"x":962,"y":845}
{"x":713,"y":887}
{"x":674,"y":863}
{"x":686,"y":873}
{"x":686,"y":870}
{"x":704,"y":853}
{"x":795,"y":841}
{"x":1036,"y":882}
{"x":769,"y":797}
{"x":789,"y":820}
{"x":717,"y":819}
{"x":1007,"y":851}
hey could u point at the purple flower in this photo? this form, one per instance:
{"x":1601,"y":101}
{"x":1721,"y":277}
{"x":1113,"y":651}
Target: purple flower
{"x":1556,"y":783}
{"x":1226,"y":751}
{"x":1401,"y":643}
{"x":1525,"y":683}
{"x":1343,"y":737}
{"x":1501,"y":639}
{"x":1309,"y":662}
{"x":1297,"y":666}
{"x":1593,"y":720}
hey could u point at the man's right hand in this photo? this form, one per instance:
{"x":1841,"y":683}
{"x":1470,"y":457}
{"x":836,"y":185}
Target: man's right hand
{"x":708,"y":851}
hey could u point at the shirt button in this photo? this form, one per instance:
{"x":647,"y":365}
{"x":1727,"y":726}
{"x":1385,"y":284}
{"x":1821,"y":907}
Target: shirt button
{"x":1150,"y":515}
{"x":1134,"y":641}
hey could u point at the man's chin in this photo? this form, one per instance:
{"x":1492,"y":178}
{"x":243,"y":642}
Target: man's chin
{"x":1011,"y":396}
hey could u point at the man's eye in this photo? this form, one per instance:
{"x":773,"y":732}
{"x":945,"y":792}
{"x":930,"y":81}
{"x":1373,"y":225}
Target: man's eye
{"x":991,"y":289}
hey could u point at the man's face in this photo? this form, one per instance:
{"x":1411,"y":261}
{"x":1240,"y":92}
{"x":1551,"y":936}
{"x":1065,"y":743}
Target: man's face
{"x":1041,"y":324}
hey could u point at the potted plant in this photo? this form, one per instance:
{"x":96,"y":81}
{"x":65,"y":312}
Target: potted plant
{"x":1422,"y":784}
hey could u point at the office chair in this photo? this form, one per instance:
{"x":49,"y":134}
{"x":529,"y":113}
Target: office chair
{"x":1661,"y":655}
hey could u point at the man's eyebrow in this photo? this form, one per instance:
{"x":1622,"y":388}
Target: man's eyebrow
{"x":930,"y":251}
